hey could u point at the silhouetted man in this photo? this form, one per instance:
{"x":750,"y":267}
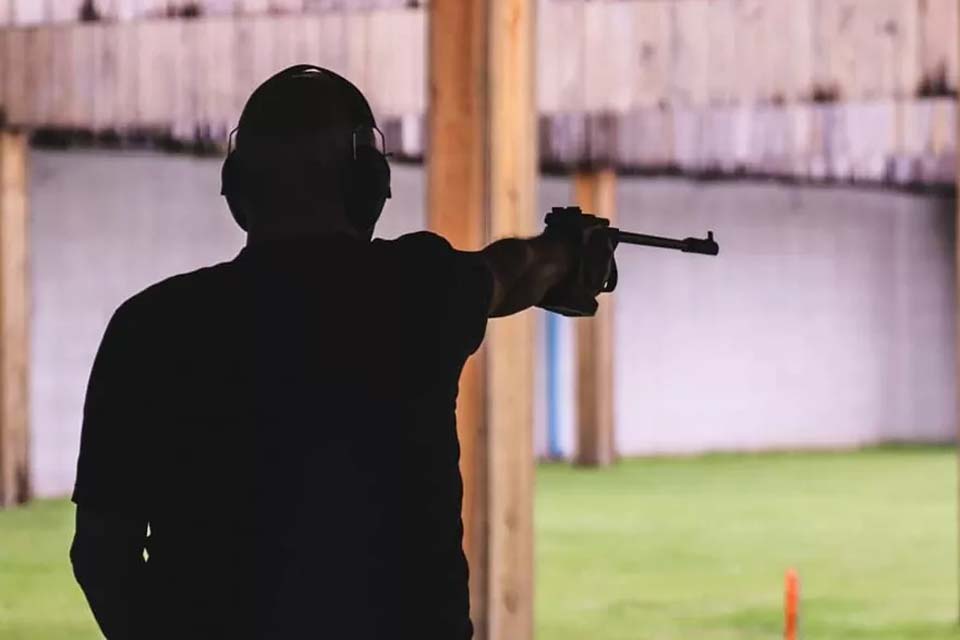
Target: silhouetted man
{"x":282,"y":424}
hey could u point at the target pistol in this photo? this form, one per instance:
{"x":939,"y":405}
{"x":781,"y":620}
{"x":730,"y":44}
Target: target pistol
{"x":571,"y":220}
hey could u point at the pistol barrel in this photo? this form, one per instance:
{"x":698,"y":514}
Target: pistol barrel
{"x":706,"y":246}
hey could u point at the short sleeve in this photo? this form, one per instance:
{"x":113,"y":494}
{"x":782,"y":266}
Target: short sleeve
{"x":112,"y":469}
{"x":458,"y":292}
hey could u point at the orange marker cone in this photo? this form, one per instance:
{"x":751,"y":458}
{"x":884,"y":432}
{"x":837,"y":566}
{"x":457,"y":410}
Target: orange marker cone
{"x":791,"y":605}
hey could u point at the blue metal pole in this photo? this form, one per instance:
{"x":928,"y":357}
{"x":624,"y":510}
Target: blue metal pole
{"x":554,"y":450}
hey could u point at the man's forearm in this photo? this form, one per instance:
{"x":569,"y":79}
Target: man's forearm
{"x":108,"y":563}
{"x":525,"y":270}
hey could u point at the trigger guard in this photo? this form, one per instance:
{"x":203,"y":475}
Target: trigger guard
{"x":611,"y":282}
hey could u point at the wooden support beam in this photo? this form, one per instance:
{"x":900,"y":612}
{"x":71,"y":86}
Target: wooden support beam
{"x":456,"y":208}
{"x":956,"y":249}
{"x":14,"y":315}
{"x":481,"y":186}
{"x":512,"y":127}
{"x":595,"y":192}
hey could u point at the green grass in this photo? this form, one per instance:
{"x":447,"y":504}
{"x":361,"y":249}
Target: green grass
{"x":689,"y":549}
{"x":697,"y":548}
{"x":38,"y":598}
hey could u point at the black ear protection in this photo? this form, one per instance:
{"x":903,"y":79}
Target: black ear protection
{"x":366,"y":176}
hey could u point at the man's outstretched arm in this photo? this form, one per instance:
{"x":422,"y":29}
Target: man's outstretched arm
{"x":108,"y":563}
{"x":524,"y":270}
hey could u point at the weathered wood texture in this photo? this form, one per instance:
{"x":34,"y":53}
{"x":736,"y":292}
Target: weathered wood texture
{"x":512,"y":162}
{"x":14,"y":320}
{"x":189,"y":79}
{"x":32,"y":12}
{"x":819,"y":89}
{"x":956,"y":250}
{"x":596,"y":192}
{"x":457,"y":192}
{"x":481,"y":186}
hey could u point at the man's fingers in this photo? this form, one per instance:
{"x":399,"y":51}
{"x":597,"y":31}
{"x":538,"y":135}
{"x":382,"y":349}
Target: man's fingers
{"x":598,"y":259}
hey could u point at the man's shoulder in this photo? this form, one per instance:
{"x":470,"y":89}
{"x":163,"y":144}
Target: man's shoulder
{"x":417,"y":243}
{"x":175,"y":291}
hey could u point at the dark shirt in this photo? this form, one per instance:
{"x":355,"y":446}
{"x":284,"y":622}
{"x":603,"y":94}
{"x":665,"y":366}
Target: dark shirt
{"x":285,"y":423}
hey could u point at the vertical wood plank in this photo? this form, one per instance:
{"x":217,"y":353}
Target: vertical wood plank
{"x":956,"y":244}
{"x":562,"y":56}
{"x":39,"y":86}
{"x":254,"y":62}
{"x":215,"y":97}
{"x":457,"y":192}
{"x":654,"y":56}
{"x":511,"y":38}
{"x":83,"y":99}
{"x":609,"y":35}
{"x":331,"y":34}
{"x":64,"y":10}
{"x":595,"y":192}
{"x":286,"y":6}
{"x":14,"y":315}
{"x":751,"y":50}
{"x":253,"y":6}
{"x":691,"y":56}
{"x":159,"y":67}
{"x":106,"y":76}
{"x":127,"y":69}
{"x":394,"y":78}
{"x":907,"y":69}
{"x":245,"y":76}
{"x":3,"y":74}
{"x":788,"y":32}
{"x":220,"y":7}
{"x":29,"y":12}
{"x":191,"y":118}
{"x":860,"y":46}
{"x":722,"y":50}
{"x":287,"y":37}
{"x":357,"y":49}
{"x":59,"y":75}
{"x":939,"y":42}
{"x":16,"y":94}
{"x":264,"y":45}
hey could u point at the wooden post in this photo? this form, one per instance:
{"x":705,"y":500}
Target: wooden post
{"x":481,"y":186}
{"x":956,"y":267}
{"x":456,"y":208}
{"x":513,"y":174}
{"x":595,"y":192}
{"x":14,"y":315}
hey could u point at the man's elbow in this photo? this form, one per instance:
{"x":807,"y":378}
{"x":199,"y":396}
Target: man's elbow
{"x":83,"y":560}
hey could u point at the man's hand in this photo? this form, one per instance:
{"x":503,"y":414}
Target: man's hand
{"x":577,"y":294}
{"x":526,"y":271}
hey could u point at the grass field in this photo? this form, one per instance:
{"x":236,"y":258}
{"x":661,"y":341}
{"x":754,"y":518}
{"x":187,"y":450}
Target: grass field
{"x":690,"y":549}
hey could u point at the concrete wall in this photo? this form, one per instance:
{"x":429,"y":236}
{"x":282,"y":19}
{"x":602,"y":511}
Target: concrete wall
{"x":826,"y":321}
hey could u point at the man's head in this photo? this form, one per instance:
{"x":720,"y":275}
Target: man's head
{"x":307,"y":154}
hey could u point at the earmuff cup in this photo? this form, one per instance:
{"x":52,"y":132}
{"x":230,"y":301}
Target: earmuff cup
{"x":228,"y":182}
{"x":368,"y":187}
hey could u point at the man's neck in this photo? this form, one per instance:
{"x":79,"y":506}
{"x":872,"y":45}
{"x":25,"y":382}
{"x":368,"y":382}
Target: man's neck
{"x":296,"y":229}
